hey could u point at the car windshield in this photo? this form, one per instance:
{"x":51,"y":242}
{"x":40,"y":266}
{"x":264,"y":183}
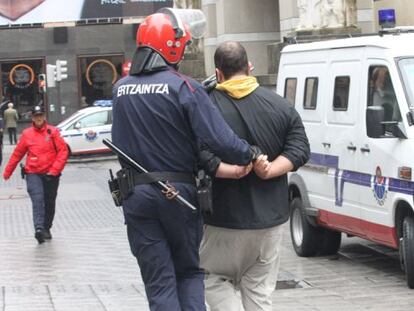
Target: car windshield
{"x":406,"y":66}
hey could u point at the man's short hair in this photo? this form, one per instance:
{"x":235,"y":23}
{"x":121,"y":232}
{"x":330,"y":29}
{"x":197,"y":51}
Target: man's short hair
{"x":231,"y":58}
{"x":10,"y":105}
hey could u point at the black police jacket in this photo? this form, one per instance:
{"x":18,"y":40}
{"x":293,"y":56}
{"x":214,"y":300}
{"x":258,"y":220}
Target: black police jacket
{"x":160,"y":119}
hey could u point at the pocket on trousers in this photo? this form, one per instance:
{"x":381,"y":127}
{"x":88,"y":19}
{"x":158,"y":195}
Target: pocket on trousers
{"x":270,"y":246}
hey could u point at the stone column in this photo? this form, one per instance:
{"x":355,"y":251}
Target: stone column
{"x":365,"y":16}
{"x":253,"y":23}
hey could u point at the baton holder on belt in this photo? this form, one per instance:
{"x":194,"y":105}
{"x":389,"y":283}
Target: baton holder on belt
{"x":114,"y":189}
{"x":161,"y":185}
{"x":204,"y":192}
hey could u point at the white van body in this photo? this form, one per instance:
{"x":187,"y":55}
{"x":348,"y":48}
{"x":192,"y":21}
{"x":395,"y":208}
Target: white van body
{"x":354,"y":183}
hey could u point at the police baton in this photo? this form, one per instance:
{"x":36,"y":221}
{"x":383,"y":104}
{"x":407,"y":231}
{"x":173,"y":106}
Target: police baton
{"x":161,"y":185}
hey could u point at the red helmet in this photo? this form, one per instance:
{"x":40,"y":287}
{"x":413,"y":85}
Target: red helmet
{"x":165,"y":34}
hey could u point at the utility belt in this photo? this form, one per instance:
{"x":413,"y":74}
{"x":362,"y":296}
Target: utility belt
{"x":126,"y":179}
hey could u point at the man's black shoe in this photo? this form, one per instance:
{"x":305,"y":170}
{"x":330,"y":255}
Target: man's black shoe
{"x":39,"y":236}
{"x":47,"y":235}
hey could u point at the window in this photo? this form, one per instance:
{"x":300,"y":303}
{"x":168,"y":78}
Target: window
{"x":290,"y":90}
{"x":92,"y":120}
{"x":19,"y":84}
{"x":406,"y":66}
{"x":341,"y":93}
{"x":98,"y":74}
{"x":311,"y":93}
{"x":381,"y":92}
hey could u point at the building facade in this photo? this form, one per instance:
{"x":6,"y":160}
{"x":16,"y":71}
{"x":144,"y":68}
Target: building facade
{"x":262,"y":26}
{"x":96,"y":38}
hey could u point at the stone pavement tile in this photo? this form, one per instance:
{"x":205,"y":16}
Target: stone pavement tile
{"x":27,"y":298}
{"x":74,"y":297}
{"x":123,"y":297}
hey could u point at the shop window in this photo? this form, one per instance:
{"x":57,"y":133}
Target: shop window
{"x":19,"y":85}
{"x":98,"y":75}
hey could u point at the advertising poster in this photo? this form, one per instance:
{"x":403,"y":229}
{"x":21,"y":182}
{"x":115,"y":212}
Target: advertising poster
{"x":15,"y":12}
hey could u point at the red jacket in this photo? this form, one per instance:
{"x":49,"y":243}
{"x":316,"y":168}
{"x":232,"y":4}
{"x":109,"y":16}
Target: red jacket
{"x":46,"y":151}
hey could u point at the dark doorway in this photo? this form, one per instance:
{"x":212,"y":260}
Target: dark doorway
{"x":19,"y":85}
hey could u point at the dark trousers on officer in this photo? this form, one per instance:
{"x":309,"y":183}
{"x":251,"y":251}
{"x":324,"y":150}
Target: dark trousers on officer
{"x":12,"y":135}
{"x":165,"y":237}
{"x":42,"y":190}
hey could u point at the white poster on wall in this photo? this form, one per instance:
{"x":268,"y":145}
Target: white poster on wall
{"x":14,"y":12}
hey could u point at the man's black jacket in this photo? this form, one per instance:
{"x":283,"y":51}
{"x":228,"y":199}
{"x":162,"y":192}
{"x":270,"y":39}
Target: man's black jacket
{"x":267,"y":120}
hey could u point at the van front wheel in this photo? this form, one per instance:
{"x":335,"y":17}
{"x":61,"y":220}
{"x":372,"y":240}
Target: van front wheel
{"x":304,"y":236}
{"x":408,"y":249}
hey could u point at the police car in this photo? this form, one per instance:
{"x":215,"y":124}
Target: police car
{"x":84,"y":131}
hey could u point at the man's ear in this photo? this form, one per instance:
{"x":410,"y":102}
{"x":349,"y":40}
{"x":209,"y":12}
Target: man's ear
{"x":219,"y":76}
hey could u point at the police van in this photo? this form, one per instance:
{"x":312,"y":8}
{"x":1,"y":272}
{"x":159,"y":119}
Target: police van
{"x":84,"y":131}
{"x":356,"y":100}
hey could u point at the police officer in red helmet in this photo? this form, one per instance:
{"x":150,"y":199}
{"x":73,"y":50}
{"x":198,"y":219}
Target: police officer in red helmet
{"x":160,"y":118}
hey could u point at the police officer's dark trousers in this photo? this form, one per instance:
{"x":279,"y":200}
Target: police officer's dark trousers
{"x":42,"y":190}
{"x":165,"y":237}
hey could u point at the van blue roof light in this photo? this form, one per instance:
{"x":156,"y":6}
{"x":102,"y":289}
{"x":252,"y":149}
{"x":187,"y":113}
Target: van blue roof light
{"x":386,"y":18}
{"x":103,"y":103}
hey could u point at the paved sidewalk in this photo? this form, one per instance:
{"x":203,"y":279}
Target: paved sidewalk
{"x":88,"y":264}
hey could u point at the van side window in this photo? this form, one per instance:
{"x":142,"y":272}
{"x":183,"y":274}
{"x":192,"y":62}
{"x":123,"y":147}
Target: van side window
{"x":381,"y":92}
{"x":290,"y":90}
{"x":341,"y":93}
{"x":311,"y":93}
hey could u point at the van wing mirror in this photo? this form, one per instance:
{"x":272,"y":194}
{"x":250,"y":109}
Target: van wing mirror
{"x":374,"y":118}
{"x":77,"y":125}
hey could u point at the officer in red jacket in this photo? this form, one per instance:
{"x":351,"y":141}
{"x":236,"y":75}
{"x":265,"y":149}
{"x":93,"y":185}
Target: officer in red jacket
{"x":46,"y":157}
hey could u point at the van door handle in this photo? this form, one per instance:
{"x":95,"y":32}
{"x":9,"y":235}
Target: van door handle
{"x":365,"y":149}
{"x":352,"y":148}
{"x":327,"y":145}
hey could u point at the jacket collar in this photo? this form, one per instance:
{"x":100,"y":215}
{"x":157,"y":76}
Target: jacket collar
{"x":239,"y":88}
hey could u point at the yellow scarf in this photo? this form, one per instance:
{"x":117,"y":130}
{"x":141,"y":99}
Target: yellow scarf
{"x":239,"y":88}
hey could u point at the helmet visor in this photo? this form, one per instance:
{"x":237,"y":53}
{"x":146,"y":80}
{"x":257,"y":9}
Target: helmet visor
{"x":194,"y":19}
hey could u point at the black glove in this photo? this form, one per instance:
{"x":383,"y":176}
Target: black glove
{"x":255,"y":151}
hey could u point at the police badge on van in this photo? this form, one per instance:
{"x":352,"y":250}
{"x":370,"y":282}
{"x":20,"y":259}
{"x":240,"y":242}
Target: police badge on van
{"x":380,"y":187}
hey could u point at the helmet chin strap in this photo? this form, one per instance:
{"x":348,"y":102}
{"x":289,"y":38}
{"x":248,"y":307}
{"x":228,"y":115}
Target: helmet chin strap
{"x":146,"y":60}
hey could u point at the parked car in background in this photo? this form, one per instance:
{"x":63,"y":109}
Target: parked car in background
{"x":84,"y":131}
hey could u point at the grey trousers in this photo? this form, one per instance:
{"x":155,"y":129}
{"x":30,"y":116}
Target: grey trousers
{"x":241,"y":267}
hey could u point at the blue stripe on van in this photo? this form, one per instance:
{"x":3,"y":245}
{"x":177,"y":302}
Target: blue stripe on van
{"x":324,"y":160}
{"x":401,"y":186}
{"x":357,"y":178}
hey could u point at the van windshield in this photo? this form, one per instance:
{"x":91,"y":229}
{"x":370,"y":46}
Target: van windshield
{"x":406,"y":66}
